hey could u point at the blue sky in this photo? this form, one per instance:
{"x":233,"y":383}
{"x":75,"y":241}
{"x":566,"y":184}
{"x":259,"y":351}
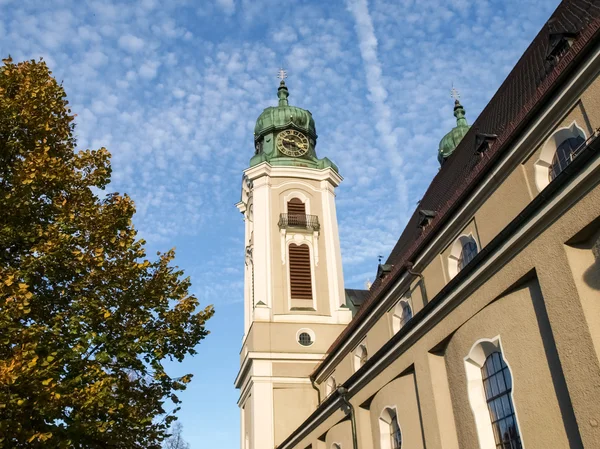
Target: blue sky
{"x":173,"y":88}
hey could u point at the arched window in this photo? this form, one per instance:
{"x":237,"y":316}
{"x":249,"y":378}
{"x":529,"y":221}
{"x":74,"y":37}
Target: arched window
{"x":300,"y":272}
{"x":391,"y":435}
{"x":497,"y":384}
{"x":565,"y":153}
{"x":331,"y":386}
{"x":402,"y":315}
{"x":360,"y":356}
{"x":557,"y":152}
{"x":490,"y":386}
{"x":467,"y":253}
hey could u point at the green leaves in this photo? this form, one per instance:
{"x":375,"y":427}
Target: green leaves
{"x":86,"y":319}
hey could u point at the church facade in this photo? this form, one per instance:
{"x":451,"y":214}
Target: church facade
{"x":482,"y":329}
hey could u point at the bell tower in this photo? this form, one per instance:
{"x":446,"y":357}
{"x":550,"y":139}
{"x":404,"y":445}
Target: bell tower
{"x":294,"y":300}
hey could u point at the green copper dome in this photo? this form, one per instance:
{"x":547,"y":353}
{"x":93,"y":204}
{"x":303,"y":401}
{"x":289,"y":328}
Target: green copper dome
{"x":284,"y":116}
{"x":294,"y":129}
{"x":451,"y":140}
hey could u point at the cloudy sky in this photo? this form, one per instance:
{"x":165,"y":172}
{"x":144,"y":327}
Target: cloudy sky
{"x":173,"y":88}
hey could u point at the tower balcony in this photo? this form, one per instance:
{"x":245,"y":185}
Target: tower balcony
{"x":297,"y":221}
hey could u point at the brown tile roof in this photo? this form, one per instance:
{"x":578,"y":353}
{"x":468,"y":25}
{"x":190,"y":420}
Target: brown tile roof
{"x":531,"y":82}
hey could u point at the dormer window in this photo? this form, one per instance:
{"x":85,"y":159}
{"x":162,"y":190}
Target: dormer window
{"x":559,"y":44}
{"x":483,"y":142}
{"x":425,"y":217}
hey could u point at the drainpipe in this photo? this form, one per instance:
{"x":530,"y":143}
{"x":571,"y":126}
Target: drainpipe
{"x":312,"y":382}
{"x":409,"y":266}
{"x":343,"y":392}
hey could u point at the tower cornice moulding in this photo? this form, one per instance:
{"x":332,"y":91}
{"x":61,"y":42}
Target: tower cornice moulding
{"x":303,"y":173}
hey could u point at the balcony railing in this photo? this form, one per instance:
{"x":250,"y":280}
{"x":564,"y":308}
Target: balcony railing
{"x":310,"y":222}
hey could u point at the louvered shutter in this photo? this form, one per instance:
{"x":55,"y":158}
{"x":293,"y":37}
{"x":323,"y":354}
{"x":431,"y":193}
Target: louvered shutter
{"x":300,"y":279}
{"x":296,"y":212}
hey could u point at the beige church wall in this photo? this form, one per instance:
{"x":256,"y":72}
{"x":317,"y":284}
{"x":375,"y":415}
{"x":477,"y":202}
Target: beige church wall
{"x":502,"y":206}
{"x":247,"y":420}
{"x":400,"y":394}
{"x":435,"y":276}
{"x":291,"y":405}
{"x":364,"y":430}
{"x":418,"y":298}
{"x":379,"y":334}
{"x":282,"y":337}
{"x":585,"y":266}
{"x":340,"y":434}
{"x":282,"y":189}
{"x":294,"y":368}
{"x":519,"y":319}
{"x":590,"y":100}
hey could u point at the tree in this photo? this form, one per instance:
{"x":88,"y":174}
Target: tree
{"x":86,"y":320}
{"x":176,"y":441}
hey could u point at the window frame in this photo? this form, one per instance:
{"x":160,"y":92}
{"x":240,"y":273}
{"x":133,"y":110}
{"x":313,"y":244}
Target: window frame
{"x":387,"y":418}
{"x":474,"y":362}
{"x":398,"y":321}
{"x":543,"y":165}
{"x":456,"y":251}
{"x":361,"y":355}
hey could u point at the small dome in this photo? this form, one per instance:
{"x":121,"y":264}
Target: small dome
{"x":284,"y":116}
{"x":451,"y":140}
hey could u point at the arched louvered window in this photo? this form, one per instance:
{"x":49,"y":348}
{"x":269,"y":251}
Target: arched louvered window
{"x":296,"y":212}
{"x":300,"y":275}
{"x":565,"y":153}
{"x":497,"y":383}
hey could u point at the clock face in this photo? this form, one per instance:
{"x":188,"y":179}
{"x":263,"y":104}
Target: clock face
{"x":292,"y":143}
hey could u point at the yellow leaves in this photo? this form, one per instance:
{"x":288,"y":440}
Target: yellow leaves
{"x":47,"y":382}
{"x":40,"y":437}
{"x":106,"y":314}
{"x":33,"y":362}
{"x":9,"y":280}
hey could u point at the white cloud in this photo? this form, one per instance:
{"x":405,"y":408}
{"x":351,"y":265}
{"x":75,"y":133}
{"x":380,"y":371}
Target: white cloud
{"x":130,"y":43}
{"x":148,"y":69}
{"x":228,"y":6}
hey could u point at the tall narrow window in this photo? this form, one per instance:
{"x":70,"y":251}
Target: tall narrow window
{"x":300,"y":277}
{"x":497,"y":383}
{"x":395,"y":433}
{"x":468,"y":252}
{"x":391,"y":435}
{"x":565,"y":153}
{"x":296,"y":212}
{"x":402,"y":315}
{"x":360,"y":356}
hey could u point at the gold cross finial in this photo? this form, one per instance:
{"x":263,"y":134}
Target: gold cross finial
{"x":454,"y":93}
{"x":282,"y":74}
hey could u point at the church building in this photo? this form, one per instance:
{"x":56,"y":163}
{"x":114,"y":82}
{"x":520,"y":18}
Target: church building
{"x":482,"y":328}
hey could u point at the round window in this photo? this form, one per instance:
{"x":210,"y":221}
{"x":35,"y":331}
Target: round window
{"x":305,"y":339}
